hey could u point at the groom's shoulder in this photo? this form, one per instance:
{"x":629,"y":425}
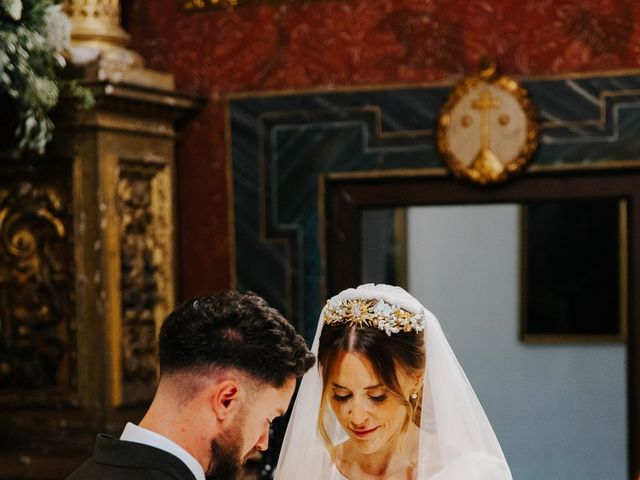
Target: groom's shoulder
{"x":115,"y":459}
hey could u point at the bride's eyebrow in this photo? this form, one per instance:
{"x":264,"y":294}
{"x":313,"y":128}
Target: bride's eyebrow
{"x":379,"y":385}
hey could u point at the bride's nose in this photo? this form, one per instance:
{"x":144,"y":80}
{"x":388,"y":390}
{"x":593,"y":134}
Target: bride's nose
{"x":358,"y":413}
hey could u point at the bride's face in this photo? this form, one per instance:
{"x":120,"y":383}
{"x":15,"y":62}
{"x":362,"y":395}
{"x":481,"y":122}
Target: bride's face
{"x":370,"y":414}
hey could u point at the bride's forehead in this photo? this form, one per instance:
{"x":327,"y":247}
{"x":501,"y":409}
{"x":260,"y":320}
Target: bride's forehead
{"x":353,"y":368}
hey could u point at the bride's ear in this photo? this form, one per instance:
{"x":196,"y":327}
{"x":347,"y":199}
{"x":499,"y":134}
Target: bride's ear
{"x":417,"y":381}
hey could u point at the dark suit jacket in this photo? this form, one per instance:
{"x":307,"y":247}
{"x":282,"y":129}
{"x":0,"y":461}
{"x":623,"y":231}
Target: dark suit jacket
{"x":115,"y":459}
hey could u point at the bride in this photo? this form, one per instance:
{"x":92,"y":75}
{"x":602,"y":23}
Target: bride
{"x":389,"y":400}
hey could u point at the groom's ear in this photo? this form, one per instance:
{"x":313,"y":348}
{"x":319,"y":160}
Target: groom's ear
{"x":225,"y":398}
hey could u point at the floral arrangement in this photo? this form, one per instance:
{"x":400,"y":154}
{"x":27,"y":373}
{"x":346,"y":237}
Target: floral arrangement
{"x":34,"y":34}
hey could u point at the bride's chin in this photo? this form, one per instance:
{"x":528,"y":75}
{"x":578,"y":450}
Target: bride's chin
{"x":378,"y":442}
{"x":365,"y":447}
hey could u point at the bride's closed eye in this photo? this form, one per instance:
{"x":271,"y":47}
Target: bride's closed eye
{"x":341,"y":398}
{"x":378,"y":398}
{"x":374,"y":398}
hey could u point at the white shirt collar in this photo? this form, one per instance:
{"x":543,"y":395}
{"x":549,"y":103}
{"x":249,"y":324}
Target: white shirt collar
{"x":137,"y":434}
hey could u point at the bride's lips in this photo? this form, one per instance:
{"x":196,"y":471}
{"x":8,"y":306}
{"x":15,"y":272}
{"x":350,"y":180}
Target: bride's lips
{"x":363,"y":433}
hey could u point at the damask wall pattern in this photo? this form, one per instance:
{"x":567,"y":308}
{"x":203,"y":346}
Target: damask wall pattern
{"x":302,"y":45}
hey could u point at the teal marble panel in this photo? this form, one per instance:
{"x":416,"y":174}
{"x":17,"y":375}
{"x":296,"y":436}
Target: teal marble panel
{"x":282,"y":144}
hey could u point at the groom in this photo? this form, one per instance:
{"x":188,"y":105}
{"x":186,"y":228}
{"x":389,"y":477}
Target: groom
{"x":228,"y":367}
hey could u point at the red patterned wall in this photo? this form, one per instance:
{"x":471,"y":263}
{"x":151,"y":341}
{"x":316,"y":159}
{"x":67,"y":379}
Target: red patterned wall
{"x":302,"y":44}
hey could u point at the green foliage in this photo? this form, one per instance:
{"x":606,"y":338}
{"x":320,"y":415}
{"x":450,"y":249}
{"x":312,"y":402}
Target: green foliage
{"x":33,"y":37}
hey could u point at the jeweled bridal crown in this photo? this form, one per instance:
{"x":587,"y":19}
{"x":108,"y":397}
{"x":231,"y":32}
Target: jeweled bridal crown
{"x":373,"y":313}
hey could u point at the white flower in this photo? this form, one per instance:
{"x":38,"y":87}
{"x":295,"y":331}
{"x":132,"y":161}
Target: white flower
{"x":58,"y":29}
{"x":333,"y":302}
{"x":382,"y":308}
{"x":13,"y":8}
{"x":45,"y":91}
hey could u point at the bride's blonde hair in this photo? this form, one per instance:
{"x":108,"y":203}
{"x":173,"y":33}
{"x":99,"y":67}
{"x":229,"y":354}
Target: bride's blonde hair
{"x":387,"y":355}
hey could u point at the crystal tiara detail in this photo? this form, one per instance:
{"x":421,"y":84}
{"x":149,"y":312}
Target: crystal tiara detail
{"x":373,"y":313}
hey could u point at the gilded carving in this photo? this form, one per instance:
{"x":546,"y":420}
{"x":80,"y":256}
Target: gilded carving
{"x":162,"y":207}
{"x":104,"y":10}
{"x":139,"y":286}
{"x":146,"y":270}
{"x":35,"y":288}
{"x":196,"y":5}
{"x":96,"y":23}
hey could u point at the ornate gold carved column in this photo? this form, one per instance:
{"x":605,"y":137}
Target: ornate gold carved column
{"x":87,"y":263}
{"x":96,"y":22}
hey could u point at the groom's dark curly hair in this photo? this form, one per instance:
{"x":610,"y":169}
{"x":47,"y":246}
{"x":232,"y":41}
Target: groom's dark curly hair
{"x":233,"y":330}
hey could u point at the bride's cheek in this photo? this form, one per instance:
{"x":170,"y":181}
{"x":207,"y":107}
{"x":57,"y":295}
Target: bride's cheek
{"x":339,"y":409}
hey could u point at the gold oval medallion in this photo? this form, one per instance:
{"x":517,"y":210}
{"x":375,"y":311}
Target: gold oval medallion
{"x":487,"y":130}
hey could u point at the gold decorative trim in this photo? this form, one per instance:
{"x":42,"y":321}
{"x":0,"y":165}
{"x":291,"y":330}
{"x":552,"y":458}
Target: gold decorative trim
{"x":107,"y":279}
{"x":229,"y":97}
{"x":447,"y":82}
{"x":374,"y":110}
{"x":532,"y":170}
{"x":390,"y":173}
{"x":604,"y":165}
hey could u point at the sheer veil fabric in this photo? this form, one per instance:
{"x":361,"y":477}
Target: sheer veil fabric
{"x":456,"y":438}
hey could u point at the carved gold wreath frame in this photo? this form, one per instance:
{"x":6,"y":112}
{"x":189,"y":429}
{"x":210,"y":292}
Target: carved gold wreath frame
{"x":487,"y":168}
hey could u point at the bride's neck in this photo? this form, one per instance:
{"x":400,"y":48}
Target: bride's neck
{"x":376,"y":464}
{"x":387,"y":462}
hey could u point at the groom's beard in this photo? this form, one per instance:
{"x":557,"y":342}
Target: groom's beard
{"x":226,"y":453}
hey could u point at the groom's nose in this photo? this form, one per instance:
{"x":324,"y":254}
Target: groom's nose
{"x":263,"y":441}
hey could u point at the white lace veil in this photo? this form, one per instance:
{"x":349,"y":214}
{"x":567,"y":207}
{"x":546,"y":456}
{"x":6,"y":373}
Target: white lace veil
{"x":456,"y":438}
